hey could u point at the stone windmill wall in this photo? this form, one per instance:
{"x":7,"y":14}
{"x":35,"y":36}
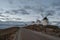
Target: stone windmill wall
{"x":45,"y":21}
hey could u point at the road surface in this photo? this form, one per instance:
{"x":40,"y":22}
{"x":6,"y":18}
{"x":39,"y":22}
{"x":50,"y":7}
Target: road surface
{"x":26,"y":34}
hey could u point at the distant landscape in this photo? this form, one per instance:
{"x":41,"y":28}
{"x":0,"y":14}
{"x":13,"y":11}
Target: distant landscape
{"x":13,"y":23}
{"x":29,"y":19}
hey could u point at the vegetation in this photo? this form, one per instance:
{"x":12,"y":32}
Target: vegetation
{"x":52,"y":30}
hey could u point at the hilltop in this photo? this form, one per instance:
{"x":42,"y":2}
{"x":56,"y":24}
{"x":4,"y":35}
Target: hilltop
{"x":49,"y":29}
{"x":8,"y":30}
{"x":10,"y":33}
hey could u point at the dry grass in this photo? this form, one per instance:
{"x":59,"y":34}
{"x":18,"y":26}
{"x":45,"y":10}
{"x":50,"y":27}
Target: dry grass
{"x":49,"y":29}
{"x":8,"y":34}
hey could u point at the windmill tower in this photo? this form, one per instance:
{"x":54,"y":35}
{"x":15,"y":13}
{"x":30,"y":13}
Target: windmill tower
{"x":45,"y":21}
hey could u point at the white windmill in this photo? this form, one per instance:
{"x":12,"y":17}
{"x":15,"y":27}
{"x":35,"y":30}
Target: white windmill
{"x":45,"y":21}
{"x":38,"y":21}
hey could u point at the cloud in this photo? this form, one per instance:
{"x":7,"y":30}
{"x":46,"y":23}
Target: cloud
{"x":24,"y":12}
{"x":56,"y":8}
{"x":50,"y":12}
{"x":7,"y":11}
{"x":35,"y":9}
{"x":2,"y":15}
{"x":28,"y":7}
{"x":56,"y":3}
{"x":20,"y":11}
{"x":41,"y":9}
{"x":15,"y":11}
{"x":10,"y":1}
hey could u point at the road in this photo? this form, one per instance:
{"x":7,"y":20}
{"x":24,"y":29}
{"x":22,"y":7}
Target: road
{"x":26,"y":34}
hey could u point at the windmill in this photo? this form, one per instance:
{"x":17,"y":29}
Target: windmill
{"x":37,"y":20}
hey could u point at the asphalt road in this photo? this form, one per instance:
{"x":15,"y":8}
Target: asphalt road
{"x":25,"y":34}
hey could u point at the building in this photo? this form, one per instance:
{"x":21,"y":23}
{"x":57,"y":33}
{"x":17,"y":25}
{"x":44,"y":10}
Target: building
{"x":33,"y":22}
{"x":45,"y":21}
{"x":38,"y":22}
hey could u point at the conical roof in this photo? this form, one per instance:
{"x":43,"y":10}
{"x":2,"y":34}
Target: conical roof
{"x":45,"y":18}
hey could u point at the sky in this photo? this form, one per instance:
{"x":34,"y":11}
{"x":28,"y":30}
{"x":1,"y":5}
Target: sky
{"x":29,"y":10}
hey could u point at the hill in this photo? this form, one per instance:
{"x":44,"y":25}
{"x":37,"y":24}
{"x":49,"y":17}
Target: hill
{"x":8,"y":34}
{"x":48,"y":29}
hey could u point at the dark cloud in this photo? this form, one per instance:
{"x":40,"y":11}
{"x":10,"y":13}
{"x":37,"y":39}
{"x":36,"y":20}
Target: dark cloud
{"x":57,"y":9}
{"x":7,"y":11}
{"x":10,"y":1}
{"x":56,"y":3}
{"x":41,"y":10}
{"x":10,"y":12}
{"x":2,"y":19}
{"x":50,"y":13}
{"x":18,"y":18}
{"x":15,"y":11}
{"x":2,"y":15}
{"x":24,"y":12}
{"x":27,"y":7}
{"x":18,"y":11}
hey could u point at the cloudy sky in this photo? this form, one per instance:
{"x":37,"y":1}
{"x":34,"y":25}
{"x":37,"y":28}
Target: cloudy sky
{"x":29,"y":10}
